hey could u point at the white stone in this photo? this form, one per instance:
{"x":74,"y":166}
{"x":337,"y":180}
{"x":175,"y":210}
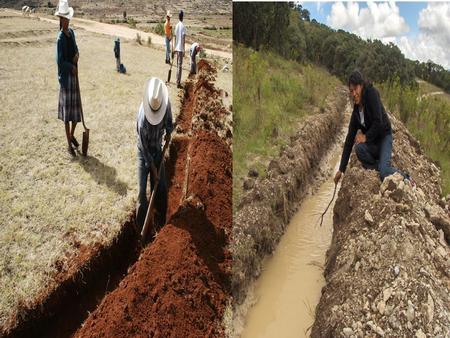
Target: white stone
{"x":347,"y":331}
{"x":420,"y":334}
{"x":410,"y":313}
{"x":368,"y":217}
{"x":387,"y":294}
{"x":381,"y":306}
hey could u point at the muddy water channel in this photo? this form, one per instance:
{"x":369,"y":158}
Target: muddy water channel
{"x":289,"y":287}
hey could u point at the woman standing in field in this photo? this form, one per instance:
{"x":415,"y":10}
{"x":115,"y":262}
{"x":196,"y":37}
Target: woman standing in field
{"x":69,"y":107}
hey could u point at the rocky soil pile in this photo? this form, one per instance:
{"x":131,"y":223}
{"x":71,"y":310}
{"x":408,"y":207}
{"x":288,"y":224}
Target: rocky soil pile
{"x":388,"y":268}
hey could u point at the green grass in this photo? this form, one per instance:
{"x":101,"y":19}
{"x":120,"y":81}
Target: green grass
{"x":427,"y":117}
{"x":271,"y":96}
{"x":426,"y":88}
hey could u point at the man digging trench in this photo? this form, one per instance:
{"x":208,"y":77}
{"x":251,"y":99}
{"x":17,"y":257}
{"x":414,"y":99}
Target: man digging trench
{"x":369,"y":130}
{"x":153,"y":118}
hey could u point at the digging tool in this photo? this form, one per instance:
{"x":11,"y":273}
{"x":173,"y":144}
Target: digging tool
{"x":149,"y":219}
{"x":85,"y":143}
{"x":323,"y":214}
{"x":170,"y":71}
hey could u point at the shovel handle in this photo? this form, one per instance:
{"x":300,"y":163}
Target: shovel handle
{"x":148,"y":218}
{"x":81,"y":105}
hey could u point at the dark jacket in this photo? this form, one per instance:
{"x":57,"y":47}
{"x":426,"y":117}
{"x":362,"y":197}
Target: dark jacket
{"x":377,"y":124}
{"x":66,"y":48}
{"x":117,"y":49}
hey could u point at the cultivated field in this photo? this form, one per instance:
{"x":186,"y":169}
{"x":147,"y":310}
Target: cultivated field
{"x":53,"y":206}
{"x":207,"y":22}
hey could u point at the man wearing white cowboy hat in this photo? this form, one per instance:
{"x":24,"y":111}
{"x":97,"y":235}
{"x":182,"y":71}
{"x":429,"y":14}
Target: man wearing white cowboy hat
{"x":153,"y":119}
{"x":69,"y":107}
{"x":168,"y":38}
{"x":193,"y":51}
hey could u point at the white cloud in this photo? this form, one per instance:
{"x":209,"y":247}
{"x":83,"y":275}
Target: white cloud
{"x":433,"y":40}
{"x":378,"y":20}
{"x":319,"y":7}
{"x":383,"y":21}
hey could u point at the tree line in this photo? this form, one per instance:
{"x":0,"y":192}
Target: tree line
{"x":286,"y":28}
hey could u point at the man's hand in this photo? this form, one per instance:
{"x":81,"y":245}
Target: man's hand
{"x":75,"y":58}
{"x":74,"y":70}
{"x":337,"y":177}
{"x":360,"y":137}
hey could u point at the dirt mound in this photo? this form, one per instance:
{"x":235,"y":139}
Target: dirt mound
{"x":181,"y":283}
{"x":388,"y":269}
{"x":269,"y":202}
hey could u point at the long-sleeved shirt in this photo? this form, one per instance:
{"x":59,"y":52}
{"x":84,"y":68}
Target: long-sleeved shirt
{"x":149,"y":137}
{"x":376,"y":123}
{"x":116,"y":49}
{"x":66,"y":48}
{"x":193,"y":51}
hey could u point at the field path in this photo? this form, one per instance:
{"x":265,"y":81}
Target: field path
{"x":117,"y":30}
{"x":432,"y":94}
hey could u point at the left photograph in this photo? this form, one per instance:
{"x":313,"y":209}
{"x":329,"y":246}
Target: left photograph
{"x":115,"y":168}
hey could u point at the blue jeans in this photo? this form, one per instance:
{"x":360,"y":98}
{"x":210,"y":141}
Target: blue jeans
{"x":377,"y":156}
{"x":166,"y":39}
{"x":143,"y":172}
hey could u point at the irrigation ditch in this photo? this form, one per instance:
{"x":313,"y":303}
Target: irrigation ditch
{"x":386,"y":271}
{"x":269,"y":203}
{"x":178,"y":284}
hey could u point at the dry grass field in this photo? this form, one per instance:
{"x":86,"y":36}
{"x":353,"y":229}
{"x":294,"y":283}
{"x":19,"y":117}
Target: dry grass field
{"x":52,"y":204}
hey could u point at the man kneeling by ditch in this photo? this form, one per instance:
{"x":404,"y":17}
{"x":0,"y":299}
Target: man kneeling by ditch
{"x":153,"y":118}
{"x":370,"y":130}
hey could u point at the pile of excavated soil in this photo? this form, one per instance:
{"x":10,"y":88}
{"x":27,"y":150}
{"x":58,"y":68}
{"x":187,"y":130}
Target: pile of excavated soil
{"x":269,"y":202}
{"x":388,"y":268}
{"x":180,"y":285}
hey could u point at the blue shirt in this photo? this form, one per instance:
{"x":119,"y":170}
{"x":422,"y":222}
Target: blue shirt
{"x":149,"y":137}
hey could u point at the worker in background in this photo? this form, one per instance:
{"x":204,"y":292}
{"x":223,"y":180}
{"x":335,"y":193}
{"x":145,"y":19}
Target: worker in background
{"x":193,"y":51}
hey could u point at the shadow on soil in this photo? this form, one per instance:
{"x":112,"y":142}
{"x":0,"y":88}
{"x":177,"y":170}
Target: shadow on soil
{"x":103,"y":174}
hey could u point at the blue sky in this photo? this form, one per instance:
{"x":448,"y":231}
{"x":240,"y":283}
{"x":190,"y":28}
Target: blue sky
{"x":420,"y":29}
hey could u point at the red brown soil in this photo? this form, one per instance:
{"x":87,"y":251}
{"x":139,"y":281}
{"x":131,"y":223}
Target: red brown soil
{"x":175,"y":170}
{"x":180,"y":285}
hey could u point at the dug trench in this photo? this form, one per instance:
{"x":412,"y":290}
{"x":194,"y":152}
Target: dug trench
{"x":387,"y":269}
{"x":179,"y":283}
{"x":269,"y":202}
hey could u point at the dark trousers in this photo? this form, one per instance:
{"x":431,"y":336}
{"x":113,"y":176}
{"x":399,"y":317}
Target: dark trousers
{"x":160,"y":203}
{"x":377,"y":156}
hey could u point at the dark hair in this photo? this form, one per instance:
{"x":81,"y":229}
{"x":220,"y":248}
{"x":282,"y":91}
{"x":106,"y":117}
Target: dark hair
{"x":180,"y":15}
{"x":356,"y":78}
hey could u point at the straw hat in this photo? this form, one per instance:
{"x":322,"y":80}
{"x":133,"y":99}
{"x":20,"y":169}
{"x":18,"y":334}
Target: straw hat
{"x":64,"y":10}
{"x":156,"y":99}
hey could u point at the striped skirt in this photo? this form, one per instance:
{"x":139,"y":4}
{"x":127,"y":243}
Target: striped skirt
{"x":69,"y":104}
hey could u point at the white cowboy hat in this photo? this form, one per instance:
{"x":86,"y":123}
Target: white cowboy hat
{"x":156,"y":99}
{"x":64,"y":10}
{"x":168,"y":14}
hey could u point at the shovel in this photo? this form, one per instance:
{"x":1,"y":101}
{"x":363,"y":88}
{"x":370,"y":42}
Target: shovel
{"x":170,"y":71}
{"x":85,"y":143}
{"x":150,"y":213}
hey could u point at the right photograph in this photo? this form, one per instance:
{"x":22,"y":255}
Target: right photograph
{"x":341,"y":170}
